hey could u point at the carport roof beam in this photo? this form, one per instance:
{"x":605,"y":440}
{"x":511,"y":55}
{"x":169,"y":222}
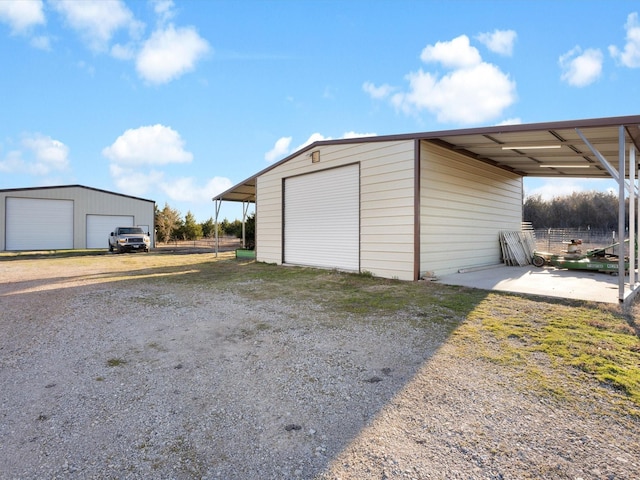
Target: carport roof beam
{"x":612,"y":171}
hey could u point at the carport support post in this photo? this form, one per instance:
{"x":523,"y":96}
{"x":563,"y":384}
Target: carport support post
{"x":621,"y":212}
{"x":245,"y":209}
{"x":217,"y":204}
{"x":632,"y":216}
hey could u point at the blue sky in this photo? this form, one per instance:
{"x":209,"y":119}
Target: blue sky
{"x":176,"y":101}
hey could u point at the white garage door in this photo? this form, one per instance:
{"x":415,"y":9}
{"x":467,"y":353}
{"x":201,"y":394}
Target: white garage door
{"x":100,"y":226}
{"x":322,"y":219}
{"x":39,"y":224}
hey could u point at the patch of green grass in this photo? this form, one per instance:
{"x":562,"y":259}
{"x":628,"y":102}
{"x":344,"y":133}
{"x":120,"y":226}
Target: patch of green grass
{"x":572,"y":338}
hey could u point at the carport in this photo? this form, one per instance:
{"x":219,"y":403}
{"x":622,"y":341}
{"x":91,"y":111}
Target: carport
{"x":591,"y":148}
{"x":597,"y":148}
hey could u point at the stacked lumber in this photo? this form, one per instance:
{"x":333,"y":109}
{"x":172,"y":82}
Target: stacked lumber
{"x":517,"y":247}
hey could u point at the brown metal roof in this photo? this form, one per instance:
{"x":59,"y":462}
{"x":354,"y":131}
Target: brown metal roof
{"x":553,"y":149}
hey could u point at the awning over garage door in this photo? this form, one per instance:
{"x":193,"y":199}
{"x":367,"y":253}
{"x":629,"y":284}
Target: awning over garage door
{"x":39,"y":224}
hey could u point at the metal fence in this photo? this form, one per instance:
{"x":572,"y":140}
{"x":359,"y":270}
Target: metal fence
{"x":225,"y":243}
{"x":555,"y":240}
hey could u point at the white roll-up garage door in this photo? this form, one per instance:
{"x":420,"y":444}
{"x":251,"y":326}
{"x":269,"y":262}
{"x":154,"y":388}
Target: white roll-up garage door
{"x":39,"y":224}
{"x":100,"y":226}
{"x":322,"y":219}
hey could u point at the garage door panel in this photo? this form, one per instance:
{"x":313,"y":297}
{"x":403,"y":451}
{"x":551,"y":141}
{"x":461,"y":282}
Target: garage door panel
{"x":322,"y":219}
{"x":100,"y":226}
{"x":39,"y":224}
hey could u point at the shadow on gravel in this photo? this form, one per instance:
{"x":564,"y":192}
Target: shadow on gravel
{"x":205,"y":368}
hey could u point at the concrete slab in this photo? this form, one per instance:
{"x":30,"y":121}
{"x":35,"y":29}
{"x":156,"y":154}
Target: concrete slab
{"x":547,"y":281}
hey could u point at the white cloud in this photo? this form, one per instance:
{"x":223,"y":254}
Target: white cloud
{"x":279,"y":150}
{"x":511,"y":121}
{"x":40,"y":155}
{"x":164,"y":10}
{"x":457,"y":53}
{"x":630,"y":56}
{"x":169,"y":53}
{"x":41,"y":42}
{"x":353,"y":134}
{"x":186,"y":189}
{"x":499,"y":41}
{"x":382,"y":91}
{"x":149,"y":145}
{"x":97,"y":20}
{"x":314,"y":137}
{"x":134,"y":182}
{"x":21,"y":15}
{"x":282,"y":147}
{"x":468,"y":95}
{"x":13,"y":163}
{"x":123,"y":52}
{"x":472,"y":91}
{"x":579,"y":68}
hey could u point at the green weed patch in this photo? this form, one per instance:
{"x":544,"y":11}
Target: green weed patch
{"x":517,"y":332}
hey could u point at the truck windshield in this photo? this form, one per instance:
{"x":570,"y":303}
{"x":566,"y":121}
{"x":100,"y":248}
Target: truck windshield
{"x":129,"y":230}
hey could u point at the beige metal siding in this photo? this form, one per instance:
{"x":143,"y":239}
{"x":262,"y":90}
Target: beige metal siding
{"x":87,"y":201}
{"x":387,"y":217}
{"x":464,"y":205}
{"x":386,"y":203}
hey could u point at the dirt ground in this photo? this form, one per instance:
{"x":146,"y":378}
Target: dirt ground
{"x":133,"y":366}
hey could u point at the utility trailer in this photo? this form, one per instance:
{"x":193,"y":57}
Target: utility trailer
{"x":598,"y":259}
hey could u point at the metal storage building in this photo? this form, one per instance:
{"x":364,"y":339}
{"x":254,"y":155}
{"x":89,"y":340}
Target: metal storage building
{"x":405,"y":206}
{"x":67,"y":217}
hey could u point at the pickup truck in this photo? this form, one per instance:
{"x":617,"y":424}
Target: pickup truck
{"x":127,"y":239}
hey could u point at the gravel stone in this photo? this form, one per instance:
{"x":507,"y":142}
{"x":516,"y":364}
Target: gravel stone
{"x":207,"y":384}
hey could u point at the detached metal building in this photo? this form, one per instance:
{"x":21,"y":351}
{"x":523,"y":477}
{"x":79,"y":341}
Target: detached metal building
{"x":406,"y":206}
{"x":68,"y":217}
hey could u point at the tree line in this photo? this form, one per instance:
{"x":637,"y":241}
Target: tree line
{"x":593,"y":210}
{"x":170,"y":226}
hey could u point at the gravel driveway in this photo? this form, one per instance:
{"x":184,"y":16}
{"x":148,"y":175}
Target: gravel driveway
{"x":103,"y":375}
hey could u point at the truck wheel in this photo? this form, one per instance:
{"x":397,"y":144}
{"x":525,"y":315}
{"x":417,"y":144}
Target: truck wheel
{"x":110,"y":248}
